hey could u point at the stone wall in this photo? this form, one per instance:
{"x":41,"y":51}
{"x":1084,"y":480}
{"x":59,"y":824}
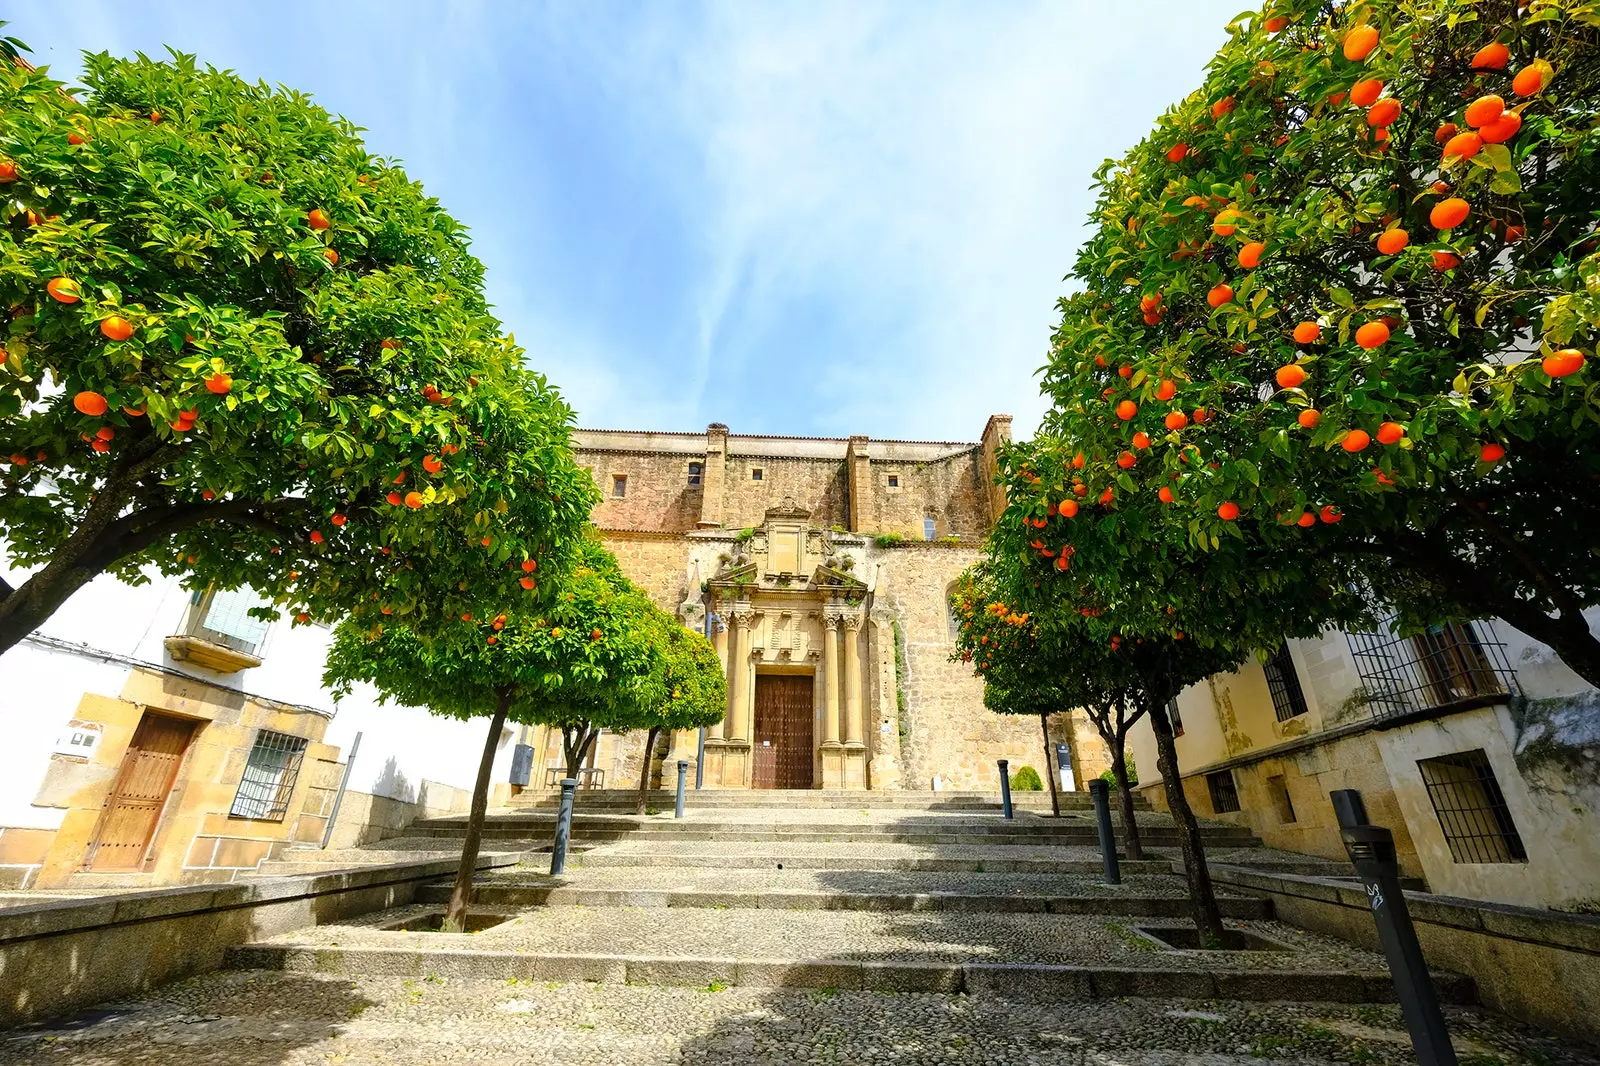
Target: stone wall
{"x":952,"y":491}
{"x":659,"y":496}
{"x":819,"y":485}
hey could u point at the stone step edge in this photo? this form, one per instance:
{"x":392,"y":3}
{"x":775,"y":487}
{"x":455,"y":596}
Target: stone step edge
{"x":868,"y":864}
{"x":1011,"y":980}
{"x":1130,"y":906}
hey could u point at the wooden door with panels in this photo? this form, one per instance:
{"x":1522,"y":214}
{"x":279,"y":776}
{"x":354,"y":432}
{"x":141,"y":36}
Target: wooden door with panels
{"x":782,"y":748}
{"x":140,"y":792}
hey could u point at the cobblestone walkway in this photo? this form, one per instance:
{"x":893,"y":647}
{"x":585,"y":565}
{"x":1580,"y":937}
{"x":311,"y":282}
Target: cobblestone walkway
{"x":278,"y":1019}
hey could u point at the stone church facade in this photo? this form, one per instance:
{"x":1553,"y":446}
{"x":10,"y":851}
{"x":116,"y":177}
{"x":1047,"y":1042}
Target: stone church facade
{"x":820,"y":569}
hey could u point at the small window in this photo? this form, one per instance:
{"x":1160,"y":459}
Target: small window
{"x":695,"y":471}
{"x":619,"y":486}
{"x":755,"y":473}
{"x":894,"y":481}
{"x":1279,"y":790}
{"x":1174,"y":717}
{"x":1471,"y":808}
{"x":1288,"y":700}
{"x":930,"y":528}
{"x":267,"y":784}
{"x":223,"y":617}
{"x":1224,"y":793}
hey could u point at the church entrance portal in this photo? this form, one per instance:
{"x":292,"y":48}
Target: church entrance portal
{"x":782,"y":747}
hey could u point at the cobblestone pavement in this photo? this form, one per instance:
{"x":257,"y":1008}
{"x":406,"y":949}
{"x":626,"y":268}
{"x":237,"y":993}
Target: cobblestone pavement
{"x":891,"y":882}
{"x":273,"y":1019}
{"x":945,"y":936}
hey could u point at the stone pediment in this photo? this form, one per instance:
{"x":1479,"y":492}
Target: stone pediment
{"x":787,"y":511}
{"x":827,"y":577}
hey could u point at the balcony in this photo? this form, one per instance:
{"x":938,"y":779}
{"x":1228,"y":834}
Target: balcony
{"x":219,"y":633}
{"x":1453,"y":667}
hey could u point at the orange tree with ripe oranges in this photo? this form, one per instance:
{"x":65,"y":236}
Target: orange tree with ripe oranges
{"x":1340,"y":311}
{"x":235,"y":346}
{"x":599,"y":655}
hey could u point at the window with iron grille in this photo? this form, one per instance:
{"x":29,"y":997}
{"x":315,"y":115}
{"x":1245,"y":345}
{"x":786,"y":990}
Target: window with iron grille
{"x":269,"y":776}
{"x":223,"y":617}
{"x":695,"y":471}
{"x":1471,"y":808}
{"x":1288,"y":699}
{"x":1224,"y":792}
{"x":1457,"y":664}
{"x":619,"y":486}
{"x":1174,"y":717}
{"x":930,"y":528}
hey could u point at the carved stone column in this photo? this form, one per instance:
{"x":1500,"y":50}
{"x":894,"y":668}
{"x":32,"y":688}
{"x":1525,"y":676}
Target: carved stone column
{"x":736,"y":746}
{"x":884,"y":766}
{"x":851,"y":634}
{"x":833,"y":773}
{"x":719,"y":640}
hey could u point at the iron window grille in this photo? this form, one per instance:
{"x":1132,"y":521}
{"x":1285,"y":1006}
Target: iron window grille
{"x":1288,"y":698}
{"x":1471,"y":808}
{"x":222,"y":616}
{"x":695,"y":472}
{"x":269,"y":777}
{"x":1224,"y":792}
{"x":1457,"y":665}
{"x":1174,"y":717}
{"x":619,"y":486}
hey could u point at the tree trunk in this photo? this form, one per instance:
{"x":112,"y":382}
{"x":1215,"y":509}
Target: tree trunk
{"x":1202,"y":900}
{"x":644,"y":771}
{"x":575,"y":741}
{"x":455,"y":917}
{"x":1132,"y":846}
{"x":1050,"y":766}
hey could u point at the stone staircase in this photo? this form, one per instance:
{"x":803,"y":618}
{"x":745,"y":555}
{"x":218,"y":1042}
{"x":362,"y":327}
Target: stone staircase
{"x":878,"y":894}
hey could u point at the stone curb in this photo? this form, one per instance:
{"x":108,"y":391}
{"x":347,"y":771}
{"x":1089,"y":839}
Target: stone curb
{"x":1131,"y":906}
{"x":1011,"y":980}
{"x":859,"y":863}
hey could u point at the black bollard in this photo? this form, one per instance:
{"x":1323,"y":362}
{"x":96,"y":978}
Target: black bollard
{"x":1005,"y":789}
{"x":683,"y":777}
{"x":558,"y":848}
{"x":1100,"y":792}
{"x":1371,"y":850}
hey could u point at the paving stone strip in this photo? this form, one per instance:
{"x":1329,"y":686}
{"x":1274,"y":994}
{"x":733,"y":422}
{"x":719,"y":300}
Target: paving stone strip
{"x":289,"y":1019}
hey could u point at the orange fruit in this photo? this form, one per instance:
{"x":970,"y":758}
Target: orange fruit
{"x":1491,"y":452}
{"x":1127,"y":409}
{"x":1219,"y":294}
{"x":389,"y":344}
{"x":1176,"y":420}
{"x":1331,"y":515}
{"x":90,"y":403}
{"x":1167,"y":389}
{"x":105,"y":432}
{"x":77,"y":138}
{"x":221,"y":384}
{"x":1228,"y":511}
{"x":1309,"y":417}
{"x":1492,"y":56}
{"x":1107,"y":496}
{"x":1383,"y":113}
{"x":530,"y":565}
{"x":1485,"y":110}
{"x":400,"y":478}
{"x":1164,"y":494}
{"x":1372,"y":335}
{"x":318,"y":219}
{"x":117,"y":328}
{"x":1355,"y":441}
{"x":1275,"y":23}
{"x":1359,"y":43}
{"x":1501,"y":129}
{"x":527,"y":582}
{"x":8,"y":171}
{"x":1068,"y":508}
{"x":432,"y":464}
{"x":1307,"y":333}
{"x":1225,"y":223}
{"x":1222,"y":107}
{"x":1150,"y":303}
{"x":1448,"y":214}
{"x":338,"y":519}
{"x":1443,"y":261}
{"x":1291,"y":376}
{"x":1078,"y":461}
{"x":491,"y":639}
{"x":1560,"y":364}
{"x":64,"y":289}
{"x":1176,"y":153}
{"x":1390,"y":433}
{"x":1532,"y":79}
{"x":1141,"y":439}
{"x":1126,"y":460}
{"x":1201,"y":415}
{"x":394,"y":499}
{"x":99,"y":445}
{"x":1306,"y":520}
{"x":331,"y":256}
{"x":1514,"y":234}
{"x":1366,"y":93}
{"x":1125,"y":371}
{"x":1391,"y":241}
{"x":1444,"y":133}
{"x":1250,"y":255}
{"x":316,"y":536}
{"x":1465,"y":145}
{"x":413,"y":500}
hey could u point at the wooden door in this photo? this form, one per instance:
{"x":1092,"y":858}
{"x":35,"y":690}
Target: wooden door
{"x":140,"y":792}
{"x":782,"y":753}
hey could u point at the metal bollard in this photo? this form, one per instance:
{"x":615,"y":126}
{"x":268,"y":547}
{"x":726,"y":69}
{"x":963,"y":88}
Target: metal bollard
{"x":1371,"y":850}
{"x":558,"y":848}
{"x":1100,"y":792}
{"x":683,"y":777}
{"x":1005,"y":788}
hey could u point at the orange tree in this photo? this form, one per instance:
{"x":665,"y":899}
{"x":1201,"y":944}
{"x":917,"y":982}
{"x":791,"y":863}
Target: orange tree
{"x":588,"y":648}
{"x":237,"y":347}
{"x":686,"y":687}
{"x":1341,"y":305}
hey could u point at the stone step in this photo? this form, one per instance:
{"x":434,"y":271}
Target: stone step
{"x":790,"y":798}
{"x":855,"y":835}
{"x":602,"y":859}
{"x":493,"y":895}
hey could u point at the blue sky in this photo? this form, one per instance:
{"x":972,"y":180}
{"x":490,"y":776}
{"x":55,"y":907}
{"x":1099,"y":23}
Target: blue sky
{"x":810,"y":219}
